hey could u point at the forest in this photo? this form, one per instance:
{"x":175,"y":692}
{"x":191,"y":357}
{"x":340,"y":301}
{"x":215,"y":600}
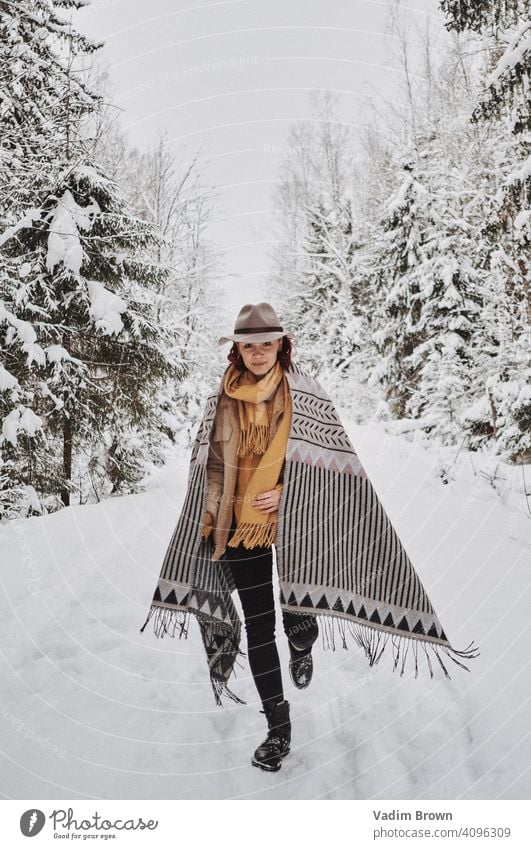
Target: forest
{"x":402,"y":250}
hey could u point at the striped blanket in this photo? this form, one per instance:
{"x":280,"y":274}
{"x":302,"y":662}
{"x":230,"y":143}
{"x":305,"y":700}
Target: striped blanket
{"x":338,"y":555}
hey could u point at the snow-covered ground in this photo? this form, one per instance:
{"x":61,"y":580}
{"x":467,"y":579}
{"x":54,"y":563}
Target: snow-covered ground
{"x":91,"y":708}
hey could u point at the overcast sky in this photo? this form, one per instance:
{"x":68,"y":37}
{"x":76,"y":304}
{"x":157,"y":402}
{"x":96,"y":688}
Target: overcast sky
{"x":231,"y":77}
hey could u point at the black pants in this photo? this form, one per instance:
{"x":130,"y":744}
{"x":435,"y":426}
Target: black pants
{"x":252,"y":570}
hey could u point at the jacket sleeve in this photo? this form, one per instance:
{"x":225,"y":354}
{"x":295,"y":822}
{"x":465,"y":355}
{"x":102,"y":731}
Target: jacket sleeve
{"x":215,"y":474}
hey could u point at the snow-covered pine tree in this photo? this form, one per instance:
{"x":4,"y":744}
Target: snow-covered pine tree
{"x":451,"y":295}
{"x":323,"y":306}
{"x":169,"y":192}
{"x":35,"y":84}
{"x":398,"y":276}
{"x":435,"y":341}
{"x":165,"y":187}
{"x":89,"y":292}
{"x":315,"y":256}
{"x":506,"y":105}
{"x":79,"y":276}
{"x":320,"y":300}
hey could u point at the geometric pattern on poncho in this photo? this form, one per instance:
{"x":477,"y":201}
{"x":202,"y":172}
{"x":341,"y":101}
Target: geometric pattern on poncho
{"x":301,"y":598}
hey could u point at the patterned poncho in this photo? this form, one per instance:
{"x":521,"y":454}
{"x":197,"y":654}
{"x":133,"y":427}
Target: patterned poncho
{"x":338,"y":555}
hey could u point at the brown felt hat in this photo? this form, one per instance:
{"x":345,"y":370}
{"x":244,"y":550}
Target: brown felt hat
{"x":255,"y":323}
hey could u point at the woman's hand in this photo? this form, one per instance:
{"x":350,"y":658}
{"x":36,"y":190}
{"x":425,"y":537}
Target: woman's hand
{"x":207,"y":525}
{"x":267,"y":502}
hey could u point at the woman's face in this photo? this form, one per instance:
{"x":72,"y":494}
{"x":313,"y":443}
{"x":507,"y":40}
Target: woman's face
{"x":259,"y":357}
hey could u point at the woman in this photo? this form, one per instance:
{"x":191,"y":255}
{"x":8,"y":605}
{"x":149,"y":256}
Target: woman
{"x":244,"y":472}
{"x":272,"y":464}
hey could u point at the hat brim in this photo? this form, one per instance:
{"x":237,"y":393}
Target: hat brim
{"x":253,"y":337}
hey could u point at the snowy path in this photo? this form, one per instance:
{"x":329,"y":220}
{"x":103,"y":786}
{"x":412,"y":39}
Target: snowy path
{"x":91,"y":708}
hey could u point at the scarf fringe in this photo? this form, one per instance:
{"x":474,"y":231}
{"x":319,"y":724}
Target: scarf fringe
{"x":254,"y":440}
{"x":374,"y":642}
{"x":252,"y":535}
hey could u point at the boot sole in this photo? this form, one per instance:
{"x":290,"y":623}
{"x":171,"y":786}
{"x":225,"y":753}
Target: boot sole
{"x":267,"y":768}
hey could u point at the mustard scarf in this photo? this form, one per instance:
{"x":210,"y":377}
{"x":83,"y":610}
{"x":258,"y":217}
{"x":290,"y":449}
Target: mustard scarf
{"x":256,"y":528}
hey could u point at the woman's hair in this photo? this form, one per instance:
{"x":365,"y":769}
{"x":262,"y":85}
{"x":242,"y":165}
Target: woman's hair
{"x":284,"y":354}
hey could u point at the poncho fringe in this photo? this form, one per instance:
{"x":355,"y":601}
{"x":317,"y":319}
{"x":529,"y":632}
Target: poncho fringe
{"x":166,"y":621}
{"x":372,"y":641}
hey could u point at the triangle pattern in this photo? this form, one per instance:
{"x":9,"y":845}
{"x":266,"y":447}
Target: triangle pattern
{"x":344,"y":603}
{"x":307,"y":601}
{"x":171,"y":598}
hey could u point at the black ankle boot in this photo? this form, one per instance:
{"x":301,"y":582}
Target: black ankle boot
{"x":300,"y":666}
{"x":300,"y":644}
{"x":276,"y":746}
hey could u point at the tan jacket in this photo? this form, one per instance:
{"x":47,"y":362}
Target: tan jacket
{"x":222,"y":464}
